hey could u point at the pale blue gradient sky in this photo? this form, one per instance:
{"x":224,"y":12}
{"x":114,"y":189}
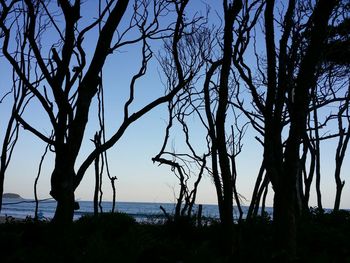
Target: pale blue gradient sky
{"x":130,"y":159}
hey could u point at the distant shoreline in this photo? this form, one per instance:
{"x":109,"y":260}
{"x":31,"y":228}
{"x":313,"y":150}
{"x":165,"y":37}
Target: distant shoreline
{"x":11,"y":196}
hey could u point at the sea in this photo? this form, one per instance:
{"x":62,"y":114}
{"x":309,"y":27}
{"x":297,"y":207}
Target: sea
{"x":141,"y":211}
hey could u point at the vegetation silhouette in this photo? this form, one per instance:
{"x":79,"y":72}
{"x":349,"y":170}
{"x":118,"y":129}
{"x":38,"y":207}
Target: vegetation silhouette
{"x":323,"y":237}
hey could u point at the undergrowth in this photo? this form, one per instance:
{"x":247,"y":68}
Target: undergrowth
{"x":119,"y":238}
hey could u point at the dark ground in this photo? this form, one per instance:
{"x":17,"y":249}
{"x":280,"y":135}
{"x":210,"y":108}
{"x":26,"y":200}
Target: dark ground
{"x":118,"y":238}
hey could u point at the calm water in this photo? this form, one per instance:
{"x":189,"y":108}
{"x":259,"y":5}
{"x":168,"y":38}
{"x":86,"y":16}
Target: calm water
{"x":21,"y":208}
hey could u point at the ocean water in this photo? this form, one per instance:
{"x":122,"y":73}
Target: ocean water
{"x":141,"y":211}
{"x":22,"y":208}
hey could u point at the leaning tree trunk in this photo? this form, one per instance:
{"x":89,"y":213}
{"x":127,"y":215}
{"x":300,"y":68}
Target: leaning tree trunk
{"x":261,"y":197}
{"x":255,"y":201}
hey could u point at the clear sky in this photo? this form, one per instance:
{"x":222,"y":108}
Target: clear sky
{"x":130,"y":159}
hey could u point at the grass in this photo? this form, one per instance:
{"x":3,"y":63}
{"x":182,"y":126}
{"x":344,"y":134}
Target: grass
{"x":119,"y":238}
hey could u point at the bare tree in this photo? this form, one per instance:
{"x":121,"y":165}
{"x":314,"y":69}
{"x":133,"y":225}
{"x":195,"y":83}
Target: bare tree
{"x":287,"y":90}
{"x":72,"y":90}
{"x":311,"y":148}
{"x":284,"y":201}
{"x":218,"y":131}
{"x":192,"y":50}
{"x":336,"y":70}
{"x":184,"y":165}
{"x":237,"y":134}
{"x":330,"y":91}
{"x":211,"y":104}
{"x":104,"y":156}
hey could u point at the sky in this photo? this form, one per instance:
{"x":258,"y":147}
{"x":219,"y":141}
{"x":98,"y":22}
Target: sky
{"x":139,"y":179}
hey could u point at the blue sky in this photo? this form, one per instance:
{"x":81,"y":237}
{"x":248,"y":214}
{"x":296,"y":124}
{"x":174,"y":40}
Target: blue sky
{"x":130,"y":159}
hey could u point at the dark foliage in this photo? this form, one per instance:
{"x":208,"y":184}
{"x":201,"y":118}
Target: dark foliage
{"x":322,"y":237}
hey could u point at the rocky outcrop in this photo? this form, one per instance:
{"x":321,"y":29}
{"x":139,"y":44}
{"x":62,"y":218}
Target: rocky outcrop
{"x":11,"y":195}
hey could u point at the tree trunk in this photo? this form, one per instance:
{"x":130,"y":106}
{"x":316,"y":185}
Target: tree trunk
{"x":65,"y":208}
{"x":299,"y":191}
{"x":340,"y":185}
{"x":318,"y":184}
{"x":62,"y":188}
{"x":338,"y":196}
{"x":317,"y":158}
{"x":263,"y":201}
{"x":114,"y":193}
{"x":285,"y":224}
{"x":308,"y":175}
{"x":255,"y":197}
{"x":261,"y":193}
{"x":97,"y":184}
{"x":230,"y":12}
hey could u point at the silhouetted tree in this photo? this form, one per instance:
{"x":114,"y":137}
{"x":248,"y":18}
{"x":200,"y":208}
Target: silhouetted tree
{"x":72,"y":79}
{"x":331,"y":90}
{"x":336,"y":68}
{"x":289,"y":80}
{"x":192,"y":50}
{"x":211,"y":105}
{"x":184,"y":165}
{"x":218,"y":131}
{"x":183,"y":79}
